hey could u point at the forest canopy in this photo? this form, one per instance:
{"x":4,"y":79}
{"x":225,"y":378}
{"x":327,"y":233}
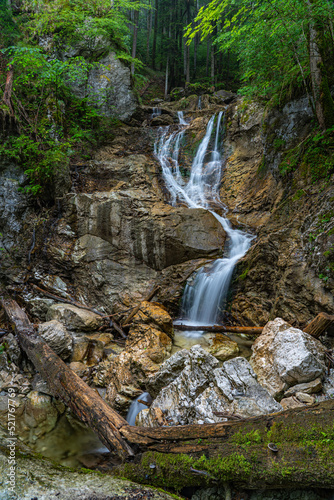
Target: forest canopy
{"x":270,"y":50}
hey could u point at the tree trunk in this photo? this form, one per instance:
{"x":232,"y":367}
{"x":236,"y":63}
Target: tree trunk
{"x":149,"y":25}
{"x":7,"y":95}
{"x":240,"y":452}
{"x":324,"y":105}
{"x":166,"y":78}
{"x":134,"y":42}
{"x":85,"y":403}
{"x":208,"y":44}
{"x":154,"y":48}
{"x":249,"y":330}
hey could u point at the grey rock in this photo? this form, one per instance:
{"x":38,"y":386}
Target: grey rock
{"x":328,"y":386}
{"x":309,"y":388}
{"x":130,"y":222}
{"x":13,"y":349}
{"x":74,"y":318}
{"x":57,"y":337}
{"x":284,"y":356}
{"x":305,"y":398}
{"x":291,"y":402}
{"x":39,"y":385}
{"x":109,"y":81}
{"x":168,"y":372}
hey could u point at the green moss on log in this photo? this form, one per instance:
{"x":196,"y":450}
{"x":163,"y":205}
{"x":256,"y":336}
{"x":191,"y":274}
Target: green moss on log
{"x":305,"y":456}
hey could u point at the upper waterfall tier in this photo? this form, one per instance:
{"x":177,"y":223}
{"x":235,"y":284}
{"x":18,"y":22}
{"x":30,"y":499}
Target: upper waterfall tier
{"x":206,"y":295}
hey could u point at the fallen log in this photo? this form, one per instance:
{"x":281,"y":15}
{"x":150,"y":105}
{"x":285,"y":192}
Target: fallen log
{"x":249,"y":330}
{"x":240,"y":451}
{"x":319,"y":324}
{"x":85,"y":403}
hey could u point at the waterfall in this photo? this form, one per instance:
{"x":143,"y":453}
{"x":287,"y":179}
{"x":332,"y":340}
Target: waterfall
{"x":156,"y":112}
{"x":205,"y":295}
{"x":136,"y":407}
{"x":182,"y":121}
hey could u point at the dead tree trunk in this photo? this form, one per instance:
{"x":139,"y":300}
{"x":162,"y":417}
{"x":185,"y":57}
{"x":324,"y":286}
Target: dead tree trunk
{"x":7,"y":95}
{"x":249,"y":330}
{"x":85,"y":403}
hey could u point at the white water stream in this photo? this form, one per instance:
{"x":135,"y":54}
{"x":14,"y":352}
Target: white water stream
{"x":205,"y":296}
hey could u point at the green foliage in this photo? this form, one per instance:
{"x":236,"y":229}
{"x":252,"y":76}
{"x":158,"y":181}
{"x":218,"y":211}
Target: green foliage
{"x":269,"y":37}
{"x":87,"y":23}
{"x":8,"y":28}
{"x":53,"y":124}
{"x":314,"y":156}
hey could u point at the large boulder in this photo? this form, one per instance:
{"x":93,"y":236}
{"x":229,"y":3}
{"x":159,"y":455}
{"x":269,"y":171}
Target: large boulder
{"x":284,"y":356}
{"x":153,"y":233}
{"x":193,"y":389}
{"x":74,"y":318}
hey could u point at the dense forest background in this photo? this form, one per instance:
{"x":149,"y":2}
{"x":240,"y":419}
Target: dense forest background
{"x":270,"y":50}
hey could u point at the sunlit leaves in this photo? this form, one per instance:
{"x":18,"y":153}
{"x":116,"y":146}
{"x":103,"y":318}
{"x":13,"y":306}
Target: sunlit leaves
{"x":269,"y":37}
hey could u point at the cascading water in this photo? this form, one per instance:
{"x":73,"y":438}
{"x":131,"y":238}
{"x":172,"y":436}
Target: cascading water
{"x":156,"y":112}
{"x":136,"y":407}
{"x":204,"y":298}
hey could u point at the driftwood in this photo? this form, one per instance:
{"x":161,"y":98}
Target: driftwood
{"x":249,"y":330}
{"x":319,"y":325}
{"x":315,"y":328}
{"x":236,"y":451}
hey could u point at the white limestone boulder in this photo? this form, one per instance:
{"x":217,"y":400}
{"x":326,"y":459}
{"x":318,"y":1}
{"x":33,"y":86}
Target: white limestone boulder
{"x":198,"y":389}
{"x":284,"y":356}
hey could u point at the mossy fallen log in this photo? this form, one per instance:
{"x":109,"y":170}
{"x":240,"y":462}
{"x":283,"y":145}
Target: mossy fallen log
{"x":196,"y":455}
{"x":239,"y":452}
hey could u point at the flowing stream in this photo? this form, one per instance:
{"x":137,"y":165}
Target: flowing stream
{"x":204,"y":296}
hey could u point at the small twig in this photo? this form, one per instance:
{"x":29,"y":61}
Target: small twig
{"x":143,"y":402}
{"x":202,"y":472}
{"x":118,"y":329}
{"x":67,"y":301}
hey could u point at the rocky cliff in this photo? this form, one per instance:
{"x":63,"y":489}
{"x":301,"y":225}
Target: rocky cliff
{"x":113,"y":237}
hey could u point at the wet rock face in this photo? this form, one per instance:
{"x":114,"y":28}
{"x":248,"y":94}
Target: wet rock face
{"x":14,"y":211}
{"x":191,"y":388}
{"x":124,"y":236}
{"x":284,"y":356}
{"x":286,"y":272}
{"x":157,"y":235}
